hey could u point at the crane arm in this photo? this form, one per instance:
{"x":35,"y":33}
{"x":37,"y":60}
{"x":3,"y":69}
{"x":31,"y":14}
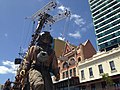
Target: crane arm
{"x":51,"y":5}
{"x":56,"y":18}
{"x":48,"y":19}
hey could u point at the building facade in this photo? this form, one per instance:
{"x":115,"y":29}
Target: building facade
{"x":106,"y":20}
{"x":69,"y":76}
{"x":93,"y":70}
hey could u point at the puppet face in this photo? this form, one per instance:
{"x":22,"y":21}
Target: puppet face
{"x":45,"y":38}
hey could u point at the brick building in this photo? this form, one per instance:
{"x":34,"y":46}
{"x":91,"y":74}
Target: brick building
{"x":68,"y":62}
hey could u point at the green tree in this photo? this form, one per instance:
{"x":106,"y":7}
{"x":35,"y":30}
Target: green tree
{"x":108,"y":80}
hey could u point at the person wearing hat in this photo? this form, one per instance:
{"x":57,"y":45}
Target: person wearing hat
{"x":7,"y":85}
{"x":41,"y":61}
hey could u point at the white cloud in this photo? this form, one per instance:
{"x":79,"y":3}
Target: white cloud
{"x":8,"y":67}
{"x":4,"y":70}
{"x":75,"y":35}
{"x":8,"y":63}
{"x":63,"y":8}
{"x":87,"y":27}
{"x":77,"y":19}
{"x":61,"y":38}
{"x":75,"y":16}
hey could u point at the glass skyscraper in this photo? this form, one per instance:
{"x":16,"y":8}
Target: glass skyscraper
{"x":106,"y":20}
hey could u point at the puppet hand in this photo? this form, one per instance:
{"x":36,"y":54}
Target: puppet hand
{"x":57,"y":77}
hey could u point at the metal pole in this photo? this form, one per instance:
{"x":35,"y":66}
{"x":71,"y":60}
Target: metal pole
{"x":68,"y":75}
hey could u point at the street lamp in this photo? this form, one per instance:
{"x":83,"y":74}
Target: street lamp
{"x":65,"y":59}
{"x":68,"y":75}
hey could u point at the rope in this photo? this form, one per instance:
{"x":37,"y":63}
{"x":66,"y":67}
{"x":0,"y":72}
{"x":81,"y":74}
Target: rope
{"x":66,"y":27}
{"x":27,"y":38}
{"x":22,"y":34}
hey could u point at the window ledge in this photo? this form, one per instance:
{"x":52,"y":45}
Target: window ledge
{"x":101,"y":74}
{"x":82,"y":78}
{"x":112,"y":71}
{"x":91,"y":76}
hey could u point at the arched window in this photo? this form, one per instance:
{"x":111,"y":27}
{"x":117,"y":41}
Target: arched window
{"x":65,"y":65}
{"x":79,"y":59}
{"x":72,"y":61}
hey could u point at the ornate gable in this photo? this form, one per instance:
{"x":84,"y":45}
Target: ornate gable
{"x":67,"y":48}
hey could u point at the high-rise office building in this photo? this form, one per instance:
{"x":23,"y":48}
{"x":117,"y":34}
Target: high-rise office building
{"x":106,"y":20}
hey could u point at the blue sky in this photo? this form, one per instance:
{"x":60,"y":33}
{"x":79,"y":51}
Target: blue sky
{"x":16,"y":31}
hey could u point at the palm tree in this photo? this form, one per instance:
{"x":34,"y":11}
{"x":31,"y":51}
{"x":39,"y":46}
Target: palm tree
{"x":108,"y":80}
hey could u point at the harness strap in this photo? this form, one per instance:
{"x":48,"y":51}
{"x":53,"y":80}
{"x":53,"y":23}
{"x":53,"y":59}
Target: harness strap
{"x":39,"y":67}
